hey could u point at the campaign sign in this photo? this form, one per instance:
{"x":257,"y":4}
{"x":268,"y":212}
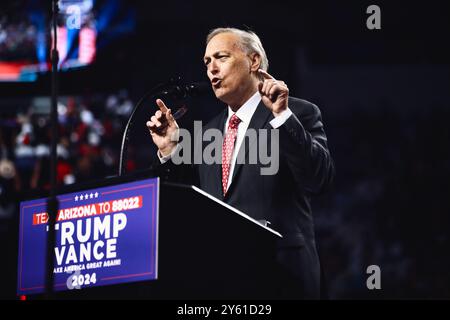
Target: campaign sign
{"x":103,"y":236}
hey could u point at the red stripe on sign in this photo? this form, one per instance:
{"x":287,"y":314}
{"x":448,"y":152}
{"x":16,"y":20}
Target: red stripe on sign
{"x":40,"y":218}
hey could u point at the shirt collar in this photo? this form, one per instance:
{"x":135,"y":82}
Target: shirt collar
{"x":246,"y":111}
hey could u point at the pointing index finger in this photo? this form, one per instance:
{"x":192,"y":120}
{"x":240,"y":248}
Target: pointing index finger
{"x":162,"y":106}
{"x":265,"y":74}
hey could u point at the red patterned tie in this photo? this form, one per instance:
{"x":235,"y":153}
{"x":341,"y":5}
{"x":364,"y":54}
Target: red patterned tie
{"x":227,"y":149}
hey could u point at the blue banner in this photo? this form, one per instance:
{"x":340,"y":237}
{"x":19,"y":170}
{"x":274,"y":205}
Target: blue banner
{"x":103,"y":236}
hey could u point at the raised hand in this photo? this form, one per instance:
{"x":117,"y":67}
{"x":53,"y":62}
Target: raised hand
{"x":274,"y":93}
{"x":163,"y":129}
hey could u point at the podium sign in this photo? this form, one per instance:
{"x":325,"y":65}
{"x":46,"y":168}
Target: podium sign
{"x":104,"y":236}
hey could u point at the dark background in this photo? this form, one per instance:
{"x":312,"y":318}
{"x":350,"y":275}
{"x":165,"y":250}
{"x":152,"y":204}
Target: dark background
{"x":385,"y":102}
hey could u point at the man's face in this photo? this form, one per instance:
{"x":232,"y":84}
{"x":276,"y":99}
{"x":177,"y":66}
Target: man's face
{"x":229,"y":69}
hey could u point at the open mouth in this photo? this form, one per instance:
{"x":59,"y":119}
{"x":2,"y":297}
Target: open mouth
{"x":216,"y":82}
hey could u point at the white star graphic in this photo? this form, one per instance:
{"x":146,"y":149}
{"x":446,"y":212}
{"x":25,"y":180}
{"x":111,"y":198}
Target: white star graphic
{"x":76,"y":198}
{"x":81,"y":197}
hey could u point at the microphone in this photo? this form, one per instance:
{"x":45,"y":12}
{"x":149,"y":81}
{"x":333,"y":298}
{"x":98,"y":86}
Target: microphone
{"x":194,"y":89}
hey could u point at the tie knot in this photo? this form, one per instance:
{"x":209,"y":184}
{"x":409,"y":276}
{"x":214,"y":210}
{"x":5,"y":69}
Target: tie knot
{"x":234,"y":122}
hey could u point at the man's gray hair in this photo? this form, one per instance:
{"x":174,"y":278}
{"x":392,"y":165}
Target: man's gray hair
{"x":250,"y":43}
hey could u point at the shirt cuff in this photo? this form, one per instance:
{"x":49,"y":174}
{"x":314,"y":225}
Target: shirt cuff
{"x":164,"y":159}
{"x":281,"y":119}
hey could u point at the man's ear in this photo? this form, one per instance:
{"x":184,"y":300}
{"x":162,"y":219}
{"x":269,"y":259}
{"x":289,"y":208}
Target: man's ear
{"x":255,"y":62}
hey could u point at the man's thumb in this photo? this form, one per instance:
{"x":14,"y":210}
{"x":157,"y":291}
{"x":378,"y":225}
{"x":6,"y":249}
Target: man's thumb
{"x":169,"y":116}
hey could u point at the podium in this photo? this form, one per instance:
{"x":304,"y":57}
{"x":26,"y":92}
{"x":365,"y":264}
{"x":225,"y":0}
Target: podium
{"x":209,"y":250}
{"x":206,"y":250}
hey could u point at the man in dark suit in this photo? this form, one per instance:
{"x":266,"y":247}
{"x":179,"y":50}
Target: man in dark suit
{"x":237,"y":68}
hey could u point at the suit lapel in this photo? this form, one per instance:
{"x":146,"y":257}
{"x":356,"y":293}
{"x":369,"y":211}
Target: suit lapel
{"x":259,"y":120}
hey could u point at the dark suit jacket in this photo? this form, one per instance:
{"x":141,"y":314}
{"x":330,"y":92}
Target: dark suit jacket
{"x":305,"y":168}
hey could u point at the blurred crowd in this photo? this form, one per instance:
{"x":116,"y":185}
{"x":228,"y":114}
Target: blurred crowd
{"x":17,"y":39}
{"x":89,"y":136}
